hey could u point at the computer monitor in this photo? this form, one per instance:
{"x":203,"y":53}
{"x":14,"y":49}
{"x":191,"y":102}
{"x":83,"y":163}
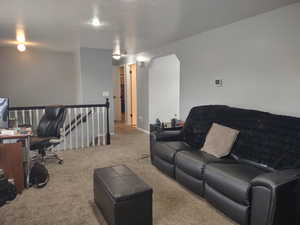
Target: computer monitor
{"x":4,"y":112}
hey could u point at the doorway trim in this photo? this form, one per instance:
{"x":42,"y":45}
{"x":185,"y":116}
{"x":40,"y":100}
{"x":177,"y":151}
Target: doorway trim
{"x":131,"y":94}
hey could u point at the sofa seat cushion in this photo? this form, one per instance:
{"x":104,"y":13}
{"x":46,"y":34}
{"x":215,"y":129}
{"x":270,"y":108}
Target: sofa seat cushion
{"x":193,"y":162}
{"x":232,"y":180}
{"x":168,"y":150}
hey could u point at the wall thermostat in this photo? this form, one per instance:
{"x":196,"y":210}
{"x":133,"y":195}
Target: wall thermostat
{"x":219,"y":83}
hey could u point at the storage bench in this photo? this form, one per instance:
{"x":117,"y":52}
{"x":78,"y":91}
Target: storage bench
{"x":122,"y":196}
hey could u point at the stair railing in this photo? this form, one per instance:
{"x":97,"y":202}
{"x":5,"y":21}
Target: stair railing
{"x":85,"y":125}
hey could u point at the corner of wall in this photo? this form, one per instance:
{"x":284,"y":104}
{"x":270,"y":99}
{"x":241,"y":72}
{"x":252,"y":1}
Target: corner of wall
{"x":79,"y":76}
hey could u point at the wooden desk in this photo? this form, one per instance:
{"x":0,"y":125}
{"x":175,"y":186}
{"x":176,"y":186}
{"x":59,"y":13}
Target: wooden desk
{"x":12,"y":159}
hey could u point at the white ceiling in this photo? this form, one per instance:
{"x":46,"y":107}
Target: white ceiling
{"x":137,"y":25}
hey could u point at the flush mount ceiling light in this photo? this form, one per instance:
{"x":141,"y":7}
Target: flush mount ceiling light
{"x":141,"y":58}
{"x":21,"y":47}
{"x":116,"y":56}
{"x":20,"y":36}
{"x":95,"y":22}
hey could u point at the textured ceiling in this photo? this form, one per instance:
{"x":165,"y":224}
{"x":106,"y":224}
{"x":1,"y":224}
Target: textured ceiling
{"x":135,"y":25}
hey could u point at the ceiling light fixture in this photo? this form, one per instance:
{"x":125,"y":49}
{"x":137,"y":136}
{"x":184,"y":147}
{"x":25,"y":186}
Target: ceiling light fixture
{"x":141,"y":58}
{"x":20,"y":37}
{"x":21,"y":47}
{"x":116,"y":56}
{"x":96,"y":22}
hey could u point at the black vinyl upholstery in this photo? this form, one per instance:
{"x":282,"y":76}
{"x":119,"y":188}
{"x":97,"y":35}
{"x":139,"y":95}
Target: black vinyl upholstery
{"x":190,"y":167}
{"x":193,"y":163}
{"x":165,"y":153}
{"x":254,"y":185}
{"x":168,"y":135}
{"x":123,"y":197}
{"x":51,"y":122}
{"x":49,"y":127}
{"x":164,"y":166}
{"x":274,"y":198}
{"x":168,"y":150}
{"x":190,"y":182}
{"x":232,"y":180}
{"x":237,"y":212}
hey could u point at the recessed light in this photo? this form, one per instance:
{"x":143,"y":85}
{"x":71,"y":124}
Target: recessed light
{"x":21,"y":47}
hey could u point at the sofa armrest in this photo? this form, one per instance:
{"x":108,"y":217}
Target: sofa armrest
{"x":170,"y":135}
{"x":172,"y":128}
{"x":167,"y":135}
{"x":274,"y":198}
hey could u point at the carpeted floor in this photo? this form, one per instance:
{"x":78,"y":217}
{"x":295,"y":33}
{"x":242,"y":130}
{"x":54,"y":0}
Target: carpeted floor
{"x":68,"y":198}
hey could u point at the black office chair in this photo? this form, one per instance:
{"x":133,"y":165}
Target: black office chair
{"x":48,"y":133}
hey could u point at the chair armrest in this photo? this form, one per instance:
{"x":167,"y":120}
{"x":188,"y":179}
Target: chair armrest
{"x":274,"y":198}
{"x":55,"y":140}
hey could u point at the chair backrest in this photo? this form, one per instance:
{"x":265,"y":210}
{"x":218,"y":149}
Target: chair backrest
{"x":51,"y":122}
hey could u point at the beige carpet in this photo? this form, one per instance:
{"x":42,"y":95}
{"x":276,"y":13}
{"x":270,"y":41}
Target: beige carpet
{"x":68,"y":198}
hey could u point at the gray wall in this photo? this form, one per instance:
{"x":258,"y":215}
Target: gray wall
{"x":142,"y":97}
{"x":38,"y":77}
{"x":43,"y":77}
{"x":96,"y":77}
{"x":257,"y":58}
{"x":164,"y":88}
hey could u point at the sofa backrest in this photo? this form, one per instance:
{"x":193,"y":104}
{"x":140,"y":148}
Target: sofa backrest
{"x":264,"y":138}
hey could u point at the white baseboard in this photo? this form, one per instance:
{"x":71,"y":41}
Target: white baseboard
{"x":145,"y":131}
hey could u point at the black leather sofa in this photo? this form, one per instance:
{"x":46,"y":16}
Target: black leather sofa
{"x":257,"y":183}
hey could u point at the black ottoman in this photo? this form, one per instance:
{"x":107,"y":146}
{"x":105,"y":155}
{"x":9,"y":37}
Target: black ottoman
{"x":122,"y":196}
